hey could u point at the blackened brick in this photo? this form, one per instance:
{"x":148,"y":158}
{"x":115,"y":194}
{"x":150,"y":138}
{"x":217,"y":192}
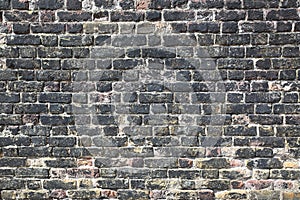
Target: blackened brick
{"x":228,"y":15}
{"x":160,"y":4}
{"x":57,"y":120}
{"x":21,"y":16}
{"x":9,"y":98}
{"x":50,"y":4}
{"x":283,"y":14}
{"x":255,"y":15}
{"x":179,"y":15}
{"x":266,"y":119}
{"x":158,"y":53}
{"x":126,"y":16}
{"x":253,"y":4}
{"x":19,"y":4}
{"x":49,"y":40}
{"x":48,"y":28}
{"x":62,"y":141}
{"x":127,"y":4}
{"x":74,"y":28}
{"x":31,"y":108}
{"x":153,"y":15}
{"x":21,"y":28}
{"x":23,"y":64}
{"x":53,"y":52}
{"x":68,"y":41}
{"x":5,"y":4}
{"x":104,"y":3}
{"x":259,"y":97}
{"x":12,"y":162}
{"x":229,"y":27}
{"x":74,"y":4}
{"x":124,"y":64}
{"x":265,"y":163}
{"x":24,"y":40}
{"x":74,"y":16}
{"x":207,"y":4}
{"x":55,"y":97}
{"x":258,"y":52}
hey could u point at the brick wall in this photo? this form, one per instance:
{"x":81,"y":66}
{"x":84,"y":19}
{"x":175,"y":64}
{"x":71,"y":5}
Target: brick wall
{"x":149,"y":99}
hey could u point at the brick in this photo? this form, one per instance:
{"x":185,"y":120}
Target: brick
{"x":126,"y":16}
{"x":207,"y":4}
{"x":24,"y":40}
{"x":179,"y":15}
{"x":21,"y":16}
{"x":283,"y":14}
{"x":127,"y":4}
{"x":158,"y":53}
{"x":74,"y":16}
{"x":5,"y":5}
{"x":171,"y":41}
{"x":54,"y":52}
{"x":21,"y":28}
{"x":128,"y":40}
{"x":48,"y":28}
{"x":74,"y":5}
{"x":12,"y":162}
{"x":32,"y":173}
{"x":160,"y":4}
{"x":252,"y":4}
{"x":230,"y":15}
{"x":265,"y":163}
{"x":55,"y":97}
{"x":59,"y":184}
{"x":12,"y":184}
{"x":153,"y":15}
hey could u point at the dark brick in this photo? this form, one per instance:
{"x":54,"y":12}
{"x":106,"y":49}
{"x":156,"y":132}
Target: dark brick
{"x":48,"y":28}
{"x":75,"y":28}
{"x":53,"y":52}
{"x":21,"y":16}
{"x":21,"y":28}
{"x":158,"y":53}
{"x":50,"y":4}
{"x":229,"y":15}
{"x":12,"y":184}
{"x":104,"y":3}
{"x":24,"y":40}
{"x":59,"y":184}
{"x":229,"y":27}
{"x":55,"y":98}
{"x":207,"y":4}
{"x":127,"y":4}
{"x":265,"y":163}
{"x":153,"y":15}
{"x":68,"y":41}
{"x":240,"y":131}
{"x":126,"y":16}
{"x":179,"y":15}
{"x":12,"y":162}
{"x":5,"y":5}
{"x":283,"y":14}
{"x":252,"y":4}
{"x":74,"y":16}
{"x":74,"y":4}
{"x":258,"y":97}
{"x":19,"y":4}
{"x":62,"y":141}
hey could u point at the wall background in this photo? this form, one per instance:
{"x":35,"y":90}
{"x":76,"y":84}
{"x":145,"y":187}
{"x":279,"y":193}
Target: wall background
{"x":141,"y":99}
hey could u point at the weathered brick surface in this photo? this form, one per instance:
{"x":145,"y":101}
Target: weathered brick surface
{"x":149,"y":99}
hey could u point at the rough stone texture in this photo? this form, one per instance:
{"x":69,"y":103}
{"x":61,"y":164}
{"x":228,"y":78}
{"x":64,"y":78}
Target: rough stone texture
{"x":149,"y":99}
